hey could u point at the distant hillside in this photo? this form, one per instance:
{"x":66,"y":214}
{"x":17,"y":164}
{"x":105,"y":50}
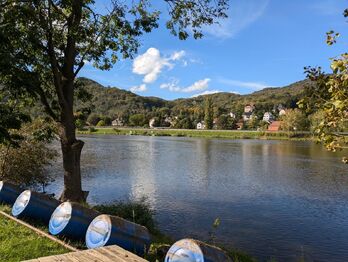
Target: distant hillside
{"x":115,"y":102}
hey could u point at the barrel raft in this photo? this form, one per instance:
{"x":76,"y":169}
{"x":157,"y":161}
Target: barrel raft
{"x":190,"y":250}
{"x":9,"y":192}
{"x":34,"y":205}
{"x":71,"y":220}
{"x":107,"y":230}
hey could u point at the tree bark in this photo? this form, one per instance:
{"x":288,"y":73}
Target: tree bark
{"x":72,"y":172}
{"x":71,"y":149}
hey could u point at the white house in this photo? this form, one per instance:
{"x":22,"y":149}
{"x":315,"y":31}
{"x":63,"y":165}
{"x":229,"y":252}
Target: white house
{"x":152,"y":122}
{"x":282,"y":112}
{"x":249,"y":108}
{"x":248,"y":112}
{"x":117,"y":122}
{"x":200,"y":125}
{"x":268,"y":117}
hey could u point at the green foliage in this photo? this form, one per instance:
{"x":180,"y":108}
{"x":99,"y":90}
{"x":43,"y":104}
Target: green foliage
{"x":294,"y":120}
{"x":11,"y":118}
{"x":208,"y":113}
{"x":330,"y":96}
{"x":137,"y":120}
{"x":93,"y":119}
{"x":79,"y":124}
{"x":26,"y":164}
{"x":139,"y":212}
{"x":101,"y":123}
{"x":226,"y":122}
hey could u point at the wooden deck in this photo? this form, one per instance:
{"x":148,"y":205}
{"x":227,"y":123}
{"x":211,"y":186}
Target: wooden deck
{"x":103,"y":254}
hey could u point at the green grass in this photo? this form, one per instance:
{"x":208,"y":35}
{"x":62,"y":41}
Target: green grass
{"x":19,"y":243}
{"x":224,"y":134}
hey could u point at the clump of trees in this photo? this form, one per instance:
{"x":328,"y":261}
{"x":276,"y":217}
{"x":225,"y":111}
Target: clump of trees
{"x":294,"y":120}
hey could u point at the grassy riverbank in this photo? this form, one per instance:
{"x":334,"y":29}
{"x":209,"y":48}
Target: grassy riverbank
{"x":19,"y":243}
{"x":225,"y":134}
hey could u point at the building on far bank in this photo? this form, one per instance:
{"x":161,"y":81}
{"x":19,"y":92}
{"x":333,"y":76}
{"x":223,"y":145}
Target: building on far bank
{"x":200,"y":125}
{"x":249,"y":108}
{"x":248,"y":112}
{"x":152,"y":122}
{"x":282,"y":112}
{"x":117,"y":122}
{"x":274,"y":126}
{"x":268,"y":117}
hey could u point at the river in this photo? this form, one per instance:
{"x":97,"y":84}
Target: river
{"x":276,"y":199}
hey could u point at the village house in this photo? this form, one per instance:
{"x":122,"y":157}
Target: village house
{"x":117,"y":122}
{"x":282,"y":112}
{"x":248,"y":112}
{"x":152,"y":122}
{"x":268,"y":117}
{"x":200,"y":125}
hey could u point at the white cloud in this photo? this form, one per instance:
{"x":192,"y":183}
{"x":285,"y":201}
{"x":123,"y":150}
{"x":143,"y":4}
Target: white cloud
{"x":241,"y":14}
{"x":207,"y":92}
{"x":177,"y":55}
{"x":196,"y":86}
{"x":141,"y":88}
{"x":151,"y":63}
{"x":249,"y":85}
{"x":171,"y":86}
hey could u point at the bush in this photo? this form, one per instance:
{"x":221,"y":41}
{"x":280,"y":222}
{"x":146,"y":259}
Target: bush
{"x":101,"y":123}
{"x":91,"y":129}
{"x":139,"y":212}
{"x":25,"y":164}
{"x":93,"y":119}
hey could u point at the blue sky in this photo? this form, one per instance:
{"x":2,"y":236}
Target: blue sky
{"x":263,"y":43}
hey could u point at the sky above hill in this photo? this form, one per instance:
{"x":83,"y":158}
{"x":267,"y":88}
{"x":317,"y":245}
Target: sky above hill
{"x":263,"y":43}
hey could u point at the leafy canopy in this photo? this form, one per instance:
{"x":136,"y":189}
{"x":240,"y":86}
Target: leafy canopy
{"x":330,"y":96}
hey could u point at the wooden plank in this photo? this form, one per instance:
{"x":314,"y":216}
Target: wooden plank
{"x":103,"y":254}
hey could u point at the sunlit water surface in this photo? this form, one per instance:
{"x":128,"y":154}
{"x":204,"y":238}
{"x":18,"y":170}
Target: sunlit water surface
{"x":275,"y":199}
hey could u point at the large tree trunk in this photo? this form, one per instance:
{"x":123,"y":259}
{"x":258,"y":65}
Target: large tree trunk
{"x":72,"y":174}
{"x":71,"y":150}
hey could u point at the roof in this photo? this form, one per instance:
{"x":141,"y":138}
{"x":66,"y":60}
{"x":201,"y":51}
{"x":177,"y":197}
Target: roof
{"x":274,"y":126}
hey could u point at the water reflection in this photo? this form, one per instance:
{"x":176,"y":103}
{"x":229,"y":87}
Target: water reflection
{"x":277,"y":199}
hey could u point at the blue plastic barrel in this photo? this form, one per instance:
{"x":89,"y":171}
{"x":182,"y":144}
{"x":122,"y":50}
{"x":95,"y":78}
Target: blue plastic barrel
{"x":34,"y":205}
{"x":190,"y":250}
{"x":9,"y":192}
{"x":71,"y":220}
{"x":107,"y":230}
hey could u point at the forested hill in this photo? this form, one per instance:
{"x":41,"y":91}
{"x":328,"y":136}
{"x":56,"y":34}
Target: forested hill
{"x":115,"y":102}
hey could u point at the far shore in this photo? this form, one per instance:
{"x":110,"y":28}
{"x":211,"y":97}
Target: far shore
{"x":225,"y":134}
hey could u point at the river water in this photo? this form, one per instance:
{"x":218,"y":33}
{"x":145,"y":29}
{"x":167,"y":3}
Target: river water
{"x":276,"y":199}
